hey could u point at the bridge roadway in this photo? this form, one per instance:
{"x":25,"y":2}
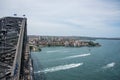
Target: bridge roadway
{"x":13,"y":42}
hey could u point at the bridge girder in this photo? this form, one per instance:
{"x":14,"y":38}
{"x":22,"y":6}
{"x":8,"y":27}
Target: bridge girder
{"x":10,"y":33}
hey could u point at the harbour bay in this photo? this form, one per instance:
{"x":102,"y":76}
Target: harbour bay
{"x":83,"y":63}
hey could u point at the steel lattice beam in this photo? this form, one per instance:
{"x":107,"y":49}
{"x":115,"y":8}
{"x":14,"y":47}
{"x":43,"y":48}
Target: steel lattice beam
{"x":11,"y":30}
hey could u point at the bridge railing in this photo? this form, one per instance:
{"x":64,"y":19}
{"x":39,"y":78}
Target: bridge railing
{"x":15,"y":73}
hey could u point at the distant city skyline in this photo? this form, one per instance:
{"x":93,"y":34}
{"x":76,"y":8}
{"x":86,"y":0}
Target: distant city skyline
{"x":93,"y":18}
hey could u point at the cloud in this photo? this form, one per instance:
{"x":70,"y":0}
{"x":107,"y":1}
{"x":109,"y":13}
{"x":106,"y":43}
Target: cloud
{"x":67,"y":17}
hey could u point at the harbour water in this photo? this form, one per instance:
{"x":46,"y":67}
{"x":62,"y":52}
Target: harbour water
{"x":84,"y":63}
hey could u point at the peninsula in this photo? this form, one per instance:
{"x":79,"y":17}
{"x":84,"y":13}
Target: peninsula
{"x":66,"y":41}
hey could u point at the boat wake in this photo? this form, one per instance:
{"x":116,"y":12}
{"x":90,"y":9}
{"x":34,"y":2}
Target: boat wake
{"x":61,"y":67}
{"x":59,"y":50}
{"x":53,"y":51}
{"x":76,"y":56}
{"x":109,"y":65}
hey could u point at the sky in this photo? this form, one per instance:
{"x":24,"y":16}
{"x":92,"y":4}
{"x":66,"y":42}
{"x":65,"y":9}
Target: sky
{"x":93,"y":18}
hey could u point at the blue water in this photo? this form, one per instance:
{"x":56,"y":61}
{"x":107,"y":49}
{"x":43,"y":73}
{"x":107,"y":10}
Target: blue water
{"x":67,"y":63}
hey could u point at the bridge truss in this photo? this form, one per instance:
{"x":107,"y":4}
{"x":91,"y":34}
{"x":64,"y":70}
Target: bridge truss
{"x":13,"y":38}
